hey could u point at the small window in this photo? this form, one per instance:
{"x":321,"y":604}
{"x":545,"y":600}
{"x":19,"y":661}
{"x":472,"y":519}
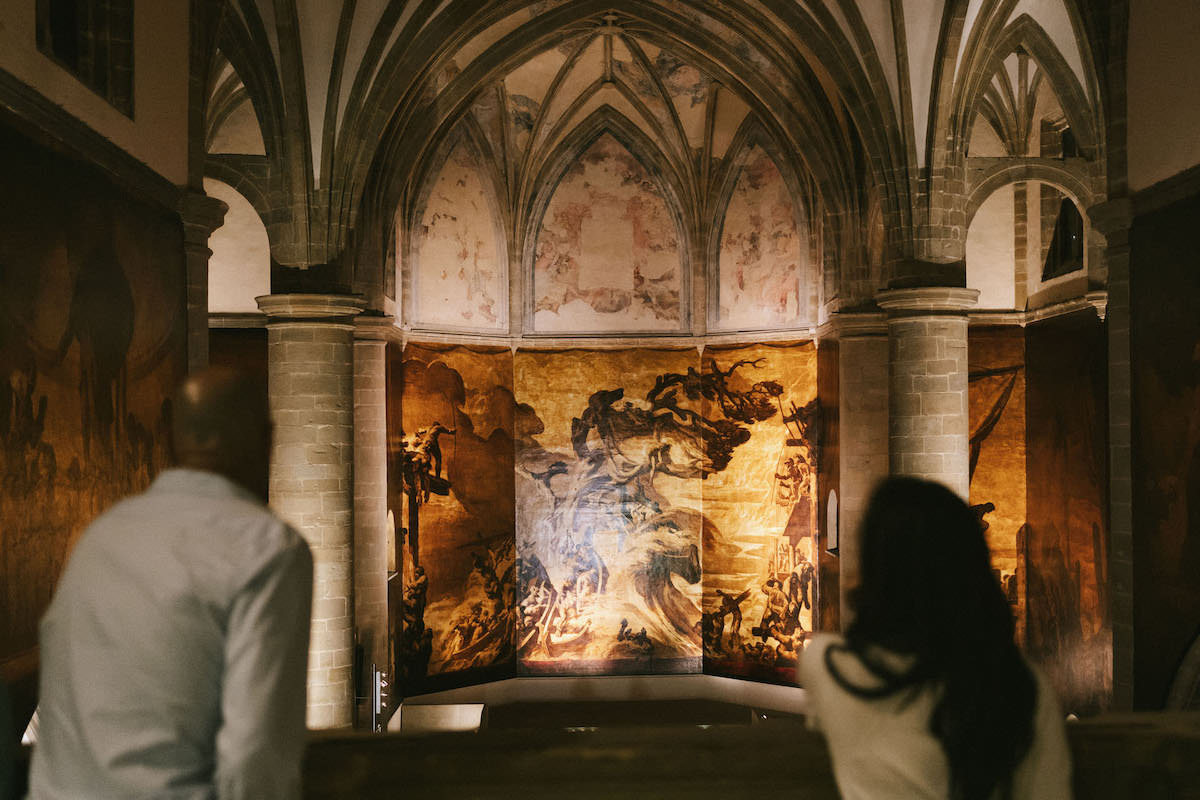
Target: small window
{"x":93,"y":39}
{"x":1066,"y":246}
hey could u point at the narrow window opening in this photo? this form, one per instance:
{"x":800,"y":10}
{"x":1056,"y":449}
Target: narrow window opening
{"x":93,"y":40}
{"x":1066,"y":246}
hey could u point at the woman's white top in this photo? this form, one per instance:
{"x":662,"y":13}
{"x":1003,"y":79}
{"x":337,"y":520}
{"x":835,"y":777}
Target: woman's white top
{"x":884,"y":749}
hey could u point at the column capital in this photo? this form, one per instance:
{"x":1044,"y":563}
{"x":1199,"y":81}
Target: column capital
{"x":376,"y":327}
{"x":201,"y":215}
{"x":337,"y":308}
{"x":857,"y":324}
{"x":927,"y":299}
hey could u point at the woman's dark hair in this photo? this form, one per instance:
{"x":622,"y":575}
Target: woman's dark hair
{"x":926,"y":590}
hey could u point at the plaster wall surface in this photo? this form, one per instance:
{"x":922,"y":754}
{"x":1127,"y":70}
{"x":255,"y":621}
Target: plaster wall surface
{"x":240,"y":266}
{"x":157,"y":133}
{"x":990,"y":251}
{"x":1163,"y":90}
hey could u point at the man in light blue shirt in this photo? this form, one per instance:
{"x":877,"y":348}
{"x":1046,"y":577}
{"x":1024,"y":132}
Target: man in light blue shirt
{"x":174,"y":651}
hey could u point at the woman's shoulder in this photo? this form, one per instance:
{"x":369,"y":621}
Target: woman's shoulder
{"x":815,"y":647}
{"x":813,"y":671}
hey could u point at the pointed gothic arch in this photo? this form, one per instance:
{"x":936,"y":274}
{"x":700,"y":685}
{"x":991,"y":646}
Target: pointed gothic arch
{"x":468,"y":140}
{"x":670,"y":188}
{"x":751,"y":136}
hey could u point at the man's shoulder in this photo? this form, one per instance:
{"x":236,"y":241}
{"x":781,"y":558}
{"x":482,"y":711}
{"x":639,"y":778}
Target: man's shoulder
{"x":191,"y":516}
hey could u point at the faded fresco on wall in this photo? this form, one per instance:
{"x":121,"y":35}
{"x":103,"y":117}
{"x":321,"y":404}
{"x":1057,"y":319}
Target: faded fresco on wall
{"x":92,"y":343}
{"x":760,"y":516}
{"x":1165,"y":343}
{"x":453,"y":456}
{"x":996,"y":400}
{"x":634,"y":72}
{"x":762,"y":279}
{"x":610,"y":456}
{"x":688,"y":89}
{"x":608,"y":255}
{"x":460,"y":279}
{"x":1068,"y":630}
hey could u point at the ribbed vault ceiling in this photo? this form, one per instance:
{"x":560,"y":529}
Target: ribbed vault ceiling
{"x":353,"y":99}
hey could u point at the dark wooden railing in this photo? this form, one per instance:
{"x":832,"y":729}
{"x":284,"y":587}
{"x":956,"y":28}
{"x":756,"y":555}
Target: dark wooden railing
{"x":1134,"y":756}
{"x":1150,"y":756}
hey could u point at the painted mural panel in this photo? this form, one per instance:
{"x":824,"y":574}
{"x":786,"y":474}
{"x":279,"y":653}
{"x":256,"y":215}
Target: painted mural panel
{"x":92,"y":343}
{"x":453,"y":508}
{"x":460,"y":280}
{"x":996,"y":400}
{"x":1165,"y":343}
{"x":762,"y":274}
{"x":610,"y":458}
{"x":829,"y":490}
{"x":608,"y":256}
{"x":1068,"y":630}
{"x":760,"y":517}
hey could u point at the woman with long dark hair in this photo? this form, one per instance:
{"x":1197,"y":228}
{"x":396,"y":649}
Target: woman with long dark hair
{"x":926,"y":695}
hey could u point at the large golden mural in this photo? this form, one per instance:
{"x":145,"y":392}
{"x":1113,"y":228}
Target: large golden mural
{"x":610,"y":456}
{"x":760,"y":534}
{"x":452,"y":502}
{"x":554,"y":509}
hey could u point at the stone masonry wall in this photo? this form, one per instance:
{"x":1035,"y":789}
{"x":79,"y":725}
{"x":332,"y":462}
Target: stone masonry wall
{"x":310,"y":384}
{"x":928,"y":428}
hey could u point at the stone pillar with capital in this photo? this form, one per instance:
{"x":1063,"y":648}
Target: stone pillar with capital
{"x":928,"y":425}
{"x":371,"y":335}
{"x":201,"y":215}
{"x":310,"y":373}
{"x":863,"y":431}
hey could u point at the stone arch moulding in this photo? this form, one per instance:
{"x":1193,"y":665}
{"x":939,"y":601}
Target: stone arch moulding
{"x":752,"y":135}
{"x":1020,"y":170}
{"x":464,"y":135}
{"x":1095,"y":265}
{"x":671,"y":188}
{"x":1024,"y":32}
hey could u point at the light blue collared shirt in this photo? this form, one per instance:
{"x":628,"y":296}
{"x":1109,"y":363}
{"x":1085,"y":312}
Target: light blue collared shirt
{"x":174,"y":652}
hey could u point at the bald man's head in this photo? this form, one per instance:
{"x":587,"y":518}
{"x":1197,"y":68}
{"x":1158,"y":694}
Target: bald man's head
{"x":221,"y":423}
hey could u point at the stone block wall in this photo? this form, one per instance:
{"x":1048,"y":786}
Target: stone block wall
{"x":863,"y":412}
{"x":310,"y":380}
{"x":928,"y":425}
{"x":370,"y":503}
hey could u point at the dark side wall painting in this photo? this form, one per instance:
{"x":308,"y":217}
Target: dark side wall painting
{"x":1068,"y":630}
{"x":996,"y":401}
{"x":1165,"y":358}
{"x":92,"y":343}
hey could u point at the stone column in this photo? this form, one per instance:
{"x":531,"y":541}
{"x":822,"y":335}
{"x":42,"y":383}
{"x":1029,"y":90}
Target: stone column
{"x":201,"y":215}
{"x":310,"y":365}
{"x":1114,"y":220}
{"x":370,"y":494}
{"x":863,"y":431}
{"x":928,"y":423}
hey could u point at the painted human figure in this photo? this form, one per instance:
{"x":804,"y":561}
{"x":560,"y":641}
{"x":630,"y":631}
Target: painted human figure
{"x":424,"y":456}
{"x":733,"y":606}
{"x":415,"y":594}
{"x":776,"y":610}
